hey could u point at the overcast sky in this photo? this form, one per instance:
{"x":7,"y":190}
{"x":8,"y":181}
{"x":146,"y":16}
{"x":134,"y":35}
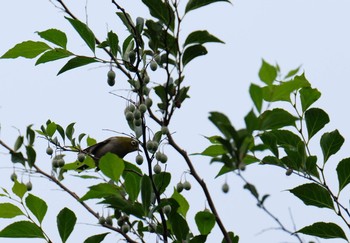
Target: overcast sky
{"x":314,"y":34}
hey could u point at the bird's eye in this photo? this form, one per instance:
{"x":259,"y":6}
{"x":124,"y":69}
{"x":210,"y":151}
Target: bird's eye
{"x":134,"y":143}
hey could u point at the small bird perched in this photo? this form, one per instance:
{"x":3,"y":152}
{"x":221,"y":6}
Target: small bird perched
{"x":120,"y":146}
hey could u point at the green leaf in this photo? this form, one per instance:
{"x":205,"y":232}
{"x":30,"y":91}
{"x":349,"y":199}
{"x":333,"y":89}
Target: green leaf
{"x":311,"y":166}
{"x":179,"y":226}
{"x":70,"y":130}
{"x":51,"y":129}
{"x":8,"y":210}
{"x":53,"y":55}
{"x":146,"y":192}
{"x":161,"y":181}
{"x":17,"y":157}
{"x":30,"y":134}
{"x":31,"y":155}
{"x":27,"y":49}
{"x":252,"y":189}
{"x":214,"y":150}
{"x":112,"y":166}
{"x":18,"y":143}
{"x":256,"y":94}
{"x":205,"y":222}
{"x":251,"y":121}
{"x":127,"y":21}
{"x":132,"y":185}
{"x":284,"y":90}
{"x":66,"y":220}
{"x":192,"y":52}
{"x":100,"y":191}
{"x":19,"y":189}
{"x":222,"y":122}
{"x":22,"y":229}
{"x":271,"y":160}
{"x":308,"y":96}
{"x":313,"y":194}
{"x":293,"y":72}
{"x":183,"y":204}
{"x":194,"y":4}
{"x":37,"y":206}
{"x":324,"y":230}
{"x":343,"y":171}
{"x":234,"y":238}
{"x":54,"y":36}
{"x":113,"y":42}
{"x":270,"y":140}
{"x":275,"y":119}
{"x":331,"y":142}
{"x":76,"y":62}
{"x":315,"y":119}
{"x":267,"y":73}
{"x":199,"y":239}
{"x":201,"y":37}
{"x":96,"y":238}
{"x":162,"y":11}
{"x":85,"y":33}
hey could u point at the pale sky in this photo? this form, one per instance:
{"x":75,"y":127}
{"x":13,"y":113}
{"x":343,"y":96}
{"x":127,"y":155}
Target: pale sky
{"x":313,"y":34}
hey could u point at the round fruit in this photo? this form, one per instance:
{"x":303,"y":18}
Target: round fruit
{"x":60,"y":162}
{"x":146,"y":79}
{"x":139,"y":159}
{"x":163,"y":158}
{"x":157,"y":169}
{"x":81,"y":157}
{"x":148,"y":102}
{"x":179,"y":187}
{"x":137,"y":114}
{"x":111,"y":74}
{"x":158,"y":156}
{"x":125,"y":228}
{"x":13,"y":176}
{"x":164,"y":130}
{"x":143,"y":108}
{"x":289,"y":171}
{"x":49,"y":151}
{"x":131,"y":108}
{"x":167,"y":209}
{"x":139,"y":21}
{"x":225,"y":188}
{"x":149,"y":145}
{"x":137,"y":122}
{"x":101,"y":220}
{"x":146,"y":90}
{"x":153,"y":65}
{"x":55,"y":163}
{"x":187,"y":185}
{"x":29,"y":186}
{"x":109,"y":221}
{"x":120,"y":221}
{"x":129,"y":116}
{"x":111,"y":82}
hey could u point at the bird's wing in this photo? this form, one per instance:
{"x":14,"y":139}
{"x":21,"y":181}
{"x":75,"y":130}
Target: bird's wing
{"x":93,"y":148}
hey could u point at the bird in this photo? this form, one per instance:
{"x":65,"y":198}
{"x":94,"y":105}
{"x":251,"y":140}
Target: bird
{"x":117,"y":145}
